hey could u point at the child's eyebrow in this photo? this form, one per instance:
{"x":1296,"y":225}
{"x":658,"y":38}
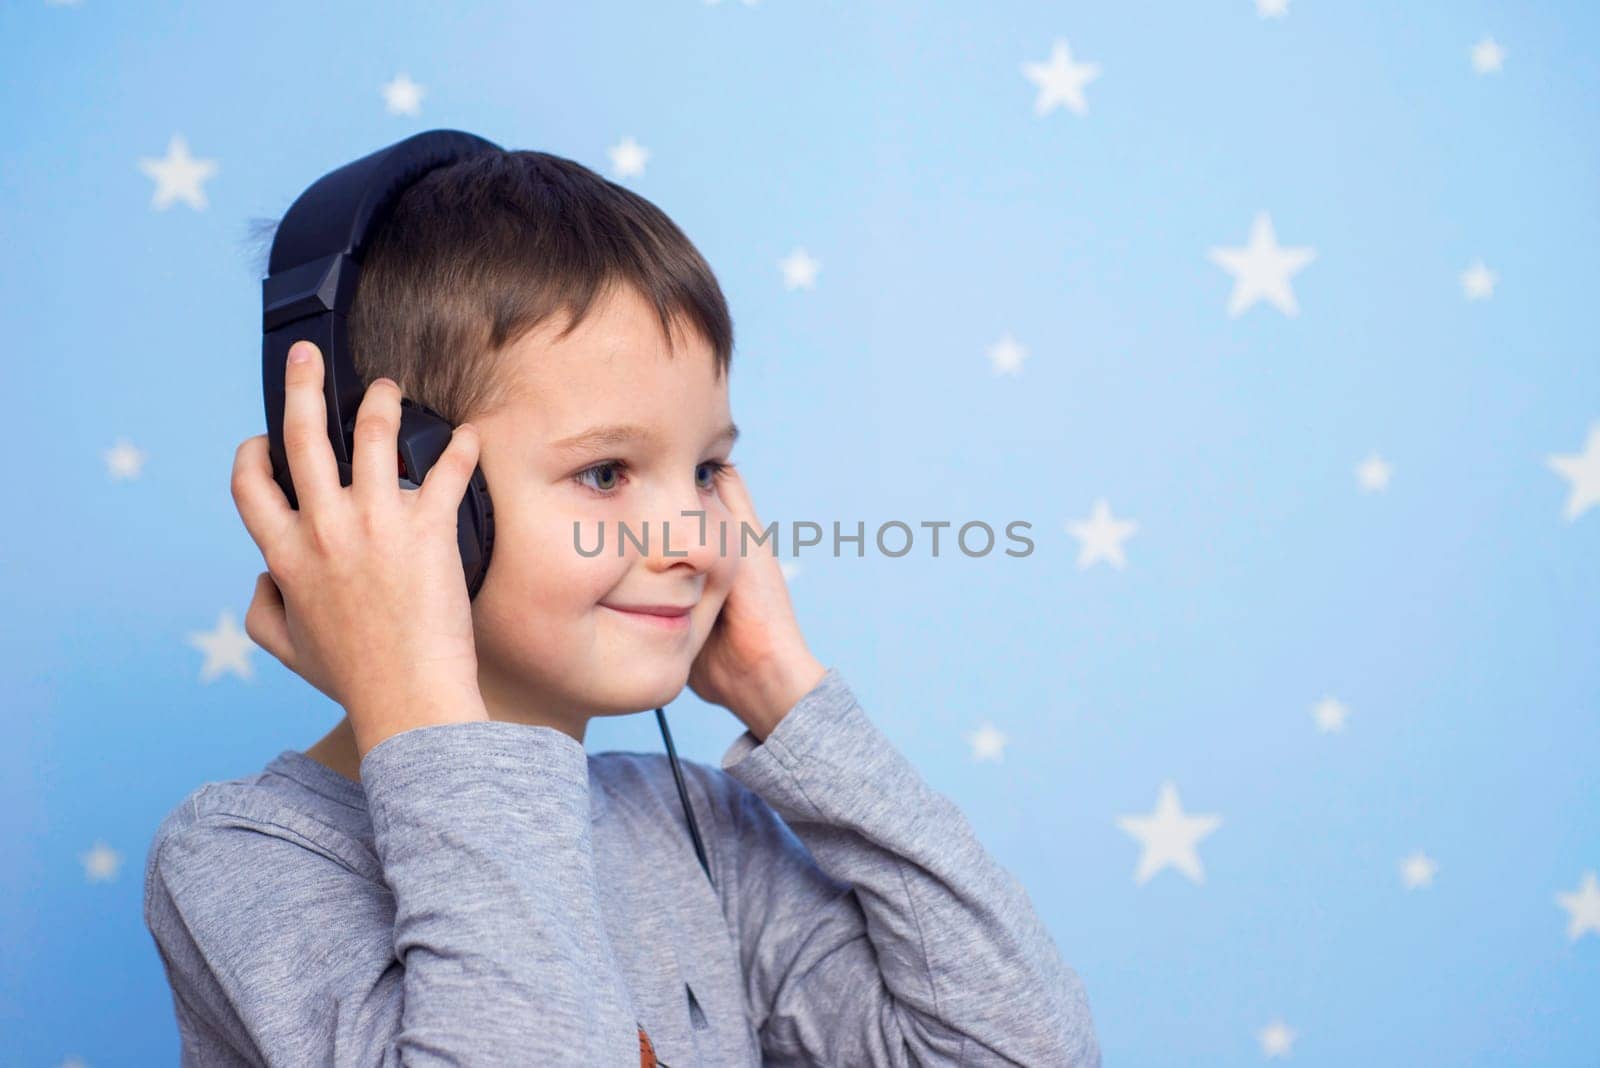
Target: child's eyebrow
{"x":623,"y":433}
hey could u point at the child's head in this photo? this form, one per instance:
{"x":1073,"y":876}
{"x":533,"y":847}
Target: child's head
{"x":527,"y":294}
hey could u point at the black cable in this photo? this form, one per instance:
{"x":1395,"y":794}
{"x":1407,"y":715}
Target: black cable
{"x":683,"y":795}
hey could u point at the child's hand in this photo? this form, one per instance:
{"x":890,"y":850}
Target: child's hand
{"x":755,"y":661}
{"x":364,"y":594}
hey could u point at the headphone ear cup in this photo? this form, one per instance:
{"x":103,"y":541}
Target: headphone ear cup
{"x":424,"y":435}
{"x":475,"y":531}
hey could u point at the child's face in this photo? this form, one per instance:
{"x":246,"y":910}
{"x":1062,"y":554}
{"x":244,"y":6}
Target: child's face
{"x":549,"y":650}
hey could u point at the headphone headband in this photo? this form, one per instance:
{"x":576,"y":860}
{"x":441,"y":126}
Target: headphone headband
{"x":338,"y":212}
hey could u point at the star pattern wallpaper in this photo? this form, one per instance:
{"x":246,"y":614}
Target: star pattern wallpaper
{"x":1181,"y":420}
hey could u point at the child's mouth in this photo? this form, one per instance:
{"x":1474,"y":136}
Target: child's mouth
{"x":659,"y":617}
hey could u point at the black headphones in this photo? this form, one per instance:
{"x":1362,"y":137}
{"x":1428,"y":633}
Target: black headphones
{"x":311,"y":280}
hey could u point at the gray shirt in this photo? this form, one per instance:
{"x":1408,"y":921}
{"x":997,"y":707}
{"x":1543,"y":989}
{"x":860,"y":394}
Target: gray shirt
{"x":490,"y":894}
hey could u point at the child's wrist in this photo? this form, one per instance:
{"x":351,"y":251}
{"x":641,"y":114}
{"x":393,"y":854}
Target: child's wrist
{"x":775,"y":688}
{"x":375,"y":721}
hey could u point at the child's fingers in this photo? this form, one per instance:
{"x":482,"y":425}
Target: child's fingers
{"x":375,"y":467}
{"x":306,"y":445}
{"x":446,"y":481}
{"x":265,"y":620}
{"x":737,"y":497}
{"x":259,"y":499}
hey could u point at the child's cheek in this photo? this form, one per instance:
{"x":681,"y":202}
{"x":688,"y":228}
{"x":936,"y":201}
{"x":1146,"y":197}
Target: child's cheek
{"x":560,"y":565}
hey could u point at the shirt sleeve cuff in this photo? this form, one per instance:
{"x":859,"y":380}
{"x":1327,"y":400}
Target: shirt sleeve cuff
{"x":441,"y":763}
{"x":826,"y":723}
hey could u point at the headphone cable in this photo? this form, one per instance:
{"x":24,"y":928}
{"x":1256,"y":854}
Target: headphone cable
{"x":683,"y":795}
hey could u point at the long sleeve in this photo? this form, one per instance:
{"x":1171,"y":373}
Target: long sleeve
{"x":481,"y":943}
{"x":874,"y":928}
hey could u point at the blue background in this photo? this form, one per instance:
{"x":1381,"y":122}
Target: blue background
{"x":1455,"y":614}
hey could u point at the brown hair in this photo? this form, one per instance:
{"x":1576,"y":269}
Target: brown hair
{"x":476,"y":254}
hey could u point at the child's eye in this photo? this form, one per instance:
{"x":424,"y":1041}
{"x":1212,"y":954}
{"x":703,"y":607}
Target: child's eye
{"x":718,"y":469}
{"x":707,"y":475}
{"x":581,"y":478}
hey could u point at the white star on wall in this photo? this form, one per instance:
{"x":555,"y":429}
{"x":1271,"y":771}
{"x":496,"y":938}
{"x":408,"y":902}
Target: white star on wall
{"x":1006,"y":356}
{"x":227,"y":649}
{"x":1330,"y":715}
{"x":1060,"y":80}
{"x":789,"y":568}
{"x":1169,"y":837}
{"x":1582,"y":470}
{"x":1477,"y":281}
{"x":1101,"y":536}
{"x":1487,"y":56}
{"x":1262,"y":268}
{"x":1373,"y":473}
{"x":178,"y":176}
{"x":402,"y":96}
{"x":100,"y":863}
{"x":1417,"y":870}
{"x":799,"y":270}
{"x":1275,"y":1039}
{"x":123,"y":460}
{"x":1272,"y":9}
{"x":987,"y":742}
{"x":1583,"y":907}
{"x":628,"y":158}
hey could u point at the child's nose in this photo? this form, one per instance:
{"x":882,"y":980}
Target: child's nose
{"x":691,"y":533}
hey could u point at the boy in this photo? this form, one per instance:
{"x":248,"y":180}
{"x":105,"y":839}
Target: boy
{"x":447,"y":876}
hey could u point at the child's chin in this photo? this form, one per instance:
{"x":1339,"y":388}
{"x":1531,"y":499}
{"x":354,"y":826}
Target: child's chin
{"x":645,"y":691}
